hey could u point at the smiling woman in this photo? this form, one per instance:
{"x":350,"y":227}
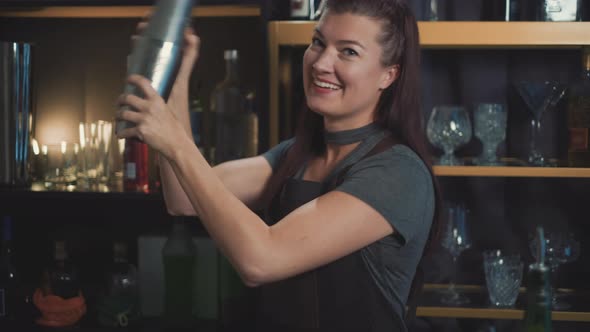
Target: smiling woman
{"x":350,"y":202}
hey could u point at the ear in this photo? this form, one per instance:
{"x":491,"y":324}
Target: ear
{"x":389,"y":76}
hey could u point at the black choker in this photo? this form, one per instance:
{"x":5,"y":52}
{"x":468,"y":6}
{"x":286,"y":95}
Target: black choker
{"x":350,"y":136}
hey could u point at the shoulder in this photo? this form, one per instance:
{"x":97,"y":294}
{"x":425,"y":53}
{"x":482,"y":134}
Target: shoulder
{"x":274,"y":154}
{"x":397,"y":184}
{"x":398,"y":159}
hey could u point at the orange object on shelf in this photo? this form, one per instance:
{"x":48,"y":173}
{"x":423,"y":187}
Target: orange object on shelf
{"x":58,"y":312}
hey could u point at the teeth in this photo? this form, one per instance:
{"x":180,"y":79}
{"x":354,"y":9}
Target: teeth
{"x":326,"y":85}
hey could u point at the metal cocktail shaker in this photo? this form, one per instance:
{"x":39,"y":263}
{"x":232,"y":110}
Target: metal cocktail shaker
{"x":16,"y":111}
{"x":158,"y":51}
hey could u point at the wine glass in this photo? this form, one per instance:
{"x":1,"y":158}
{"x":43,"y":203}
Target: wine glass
{"x":448,"y":128}
{"x":539,"y":98}
{"x":456,"y":239}
{"x":490,"y":127}
{"x":560,"y":248}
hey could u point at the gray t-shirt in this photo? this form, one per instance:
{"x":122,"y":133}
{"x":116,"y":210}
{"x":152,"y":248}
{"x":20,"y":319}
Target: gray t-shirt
{"x":397,"y":184}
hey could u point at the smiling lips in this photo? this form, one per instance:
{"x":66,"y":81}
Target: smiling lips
{"x":326,"y":85}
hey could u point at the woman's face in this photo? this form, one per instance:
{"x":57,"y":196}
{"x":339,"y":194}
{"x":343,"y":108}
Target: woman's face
{"x":342,"y":72}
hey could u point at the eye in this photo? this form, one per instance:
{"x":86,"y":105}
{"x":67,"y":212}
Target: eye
{"x":349,"y":52}
{"x":315,"y":41}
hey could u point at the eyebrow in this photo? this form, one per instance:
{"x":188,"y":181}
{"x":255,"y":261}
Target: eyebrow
{"x":354,"y":42}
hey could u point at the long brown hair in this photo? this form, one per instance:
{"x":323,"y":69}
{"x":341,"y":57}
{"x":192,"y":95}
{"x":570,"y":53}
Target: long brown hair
{"x":398,"y":109}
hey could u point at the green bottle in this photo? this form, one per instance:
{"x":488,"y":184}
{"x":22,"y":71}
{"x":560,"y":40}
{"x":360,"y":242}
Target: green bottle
{"x":179,"y":258}
{"x":538,"y":296}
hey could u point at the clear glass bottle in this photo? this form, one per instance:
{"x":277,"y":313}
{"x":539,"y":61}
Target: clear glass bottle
{"x":62,"y":277}
{"x":537,"y":316}
{"x":227,"y":104}
{"x":120,"y":305}
{"x":179,"y":257}
{"x":251,"y":135}
{"x":578,"y":114}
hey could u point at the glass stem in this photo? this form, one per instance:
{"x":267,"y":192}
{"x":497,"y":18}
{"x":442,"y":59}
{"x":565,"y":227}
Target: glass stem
{"x":453,"y":277}
{"x":534,"y":126}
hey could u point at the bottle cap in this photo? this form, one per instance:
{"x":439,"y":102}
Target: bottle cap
{"x":230,"y":54}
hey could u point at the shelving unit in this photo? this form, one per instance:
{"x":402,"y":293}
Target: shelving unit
{"x":122,"y":11}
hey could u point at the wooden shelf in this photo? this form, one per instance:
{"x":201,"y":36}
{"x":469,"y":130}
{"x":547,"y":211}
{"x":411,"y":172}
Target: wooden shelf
{"x":123,"y":11}
{"x":465,"y":34}
{"x":475,"y":310}
{"x":512,"y":171}
{"x":491,"y":313}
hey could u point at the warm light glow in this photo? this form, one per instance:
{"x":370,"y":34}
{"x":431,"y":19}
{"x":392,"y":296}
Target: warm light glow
{"x":121,"y":145}
{"x":82,"y":136}
{"x":76,"y":148}
{"x":44,"y":149}
{"x":63,"y":147}
{"x":35,"y":145}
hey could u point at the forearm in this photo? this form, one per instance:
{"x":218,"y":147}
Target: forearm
{"x":177,"y":201}
{"x":240,"y":234}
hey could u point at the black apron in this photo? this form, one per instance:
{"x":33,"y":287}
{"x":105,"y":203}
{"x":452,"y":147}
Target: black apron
{"x":340,"y":296}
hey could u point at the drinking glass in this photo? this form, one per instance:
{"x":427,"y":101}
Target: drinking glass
{"x":95,"y":141}
{"x":560,"y":248}
{"x":59,"y":164}
{"x":503,"y":275}
{"x":490,"y":127}
{"x":456,"y":239}
{"x":448,"y":128}
{"x":539,"y":98}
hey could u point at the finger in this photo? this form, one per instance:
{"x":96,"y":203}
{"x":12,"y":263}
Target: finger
{"x":127,"y":114}
{"x":132,"y":101}
{"x":128,"y":133}
{"x":144,"y":85}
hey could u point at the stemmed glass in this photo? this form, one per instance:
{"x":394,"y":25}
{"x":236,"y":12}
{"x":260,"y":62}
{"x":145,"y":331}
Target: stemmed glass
{"x":490,"y":127}
{"x":456,"y":239}
{"x":560,"y":248}
{"x":539,"y":97}
{"x":448,"y":128}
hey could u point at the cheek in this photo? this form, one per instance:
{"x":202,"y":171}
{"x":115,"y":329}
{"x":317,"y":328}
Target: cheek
{"x":308,"y":59}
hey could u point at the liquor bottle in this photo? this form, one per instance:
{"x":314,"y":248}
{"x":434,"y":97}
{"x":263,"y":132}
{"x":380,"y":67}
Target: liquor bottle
{"x":119,"y":307}
{"x":61,"y":279}
{"x":179,"y":258}
{"x":578,"y":113}
{"x":196,"y":119}
{"x":135,"y":161}
{"x":306,"y":9}
{"x":10,"y":301}
{"x":537,"y":317}
{"x":227,"y":104}
{"x":251,"y":135}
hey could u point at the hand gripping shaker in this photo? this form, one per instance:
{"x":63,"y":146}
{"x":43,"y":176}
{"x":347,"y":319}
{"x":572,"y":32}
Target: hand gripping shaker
{"x":158,"y":51}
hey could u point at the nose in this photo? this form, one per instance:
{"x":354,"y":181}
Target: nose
{"x":324,"y":62}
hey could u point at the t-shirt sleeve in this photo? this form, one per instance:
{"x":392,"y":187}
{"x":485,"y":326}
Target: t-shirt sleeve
{"x":274,"y":155}
{"x":398,"y":186}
